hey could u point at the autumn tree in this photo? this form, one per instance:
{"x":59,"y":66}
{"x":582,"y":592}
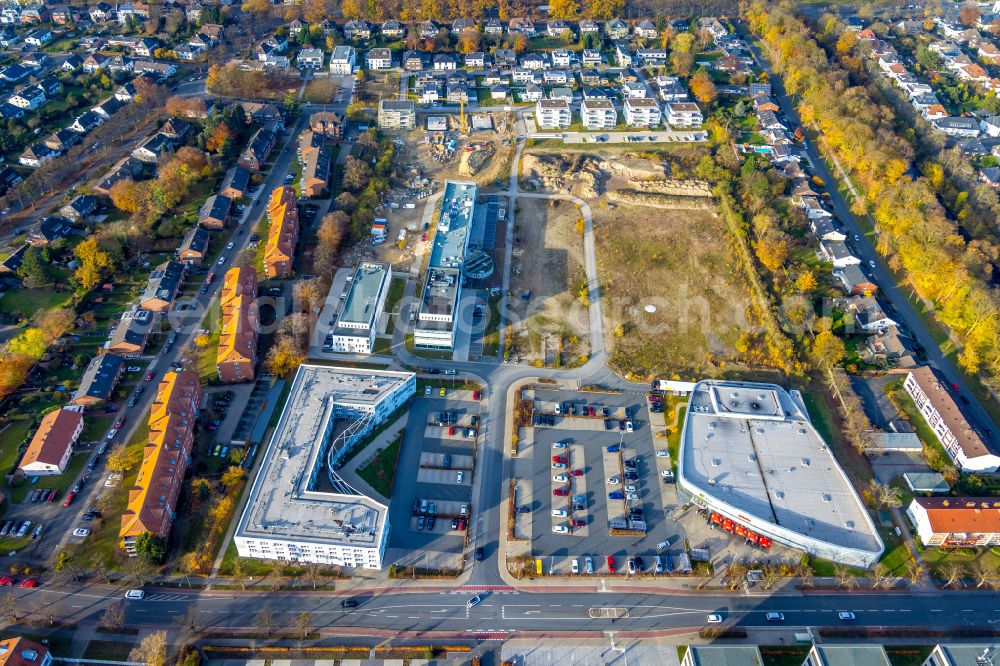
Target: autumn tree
{"x":806,"y":282}
{"x":828,"y":349}
{"x":565,"y":9}
{"x":969,"y":15}
{"x":122,"y":459}
{"x":328,"y":240}
{"x":95,"y":263}
{"x":702,"y":88}
{"x":232,"y":476}
{"x":468,"y":40}
{"x":288,"y":351}
{"x":772,"y":252}
{"x":128,"y":196}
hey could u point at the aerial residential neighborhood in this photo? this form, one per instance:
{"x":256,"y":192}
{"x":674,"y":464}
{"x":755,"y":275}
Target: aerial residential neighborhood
{"x":539,"y":333}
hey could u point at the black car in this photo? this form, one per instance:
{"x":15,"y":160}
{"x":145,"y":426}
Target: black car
{"x":631,"y":476}
{"x":480,"y":554}
{"x":638,"y":563}
{"x":524,"y":509}
{"x":349,"y":603}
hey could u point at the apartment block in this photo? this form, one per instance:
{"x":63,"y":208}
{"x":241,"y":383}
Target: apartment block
{"x":282,"y":233}
{"x":598,"y":114}
{"x":642,"y":112}
{"x":552,"y":114}
{"x":152,"y":500}
{"x":236,"y":357}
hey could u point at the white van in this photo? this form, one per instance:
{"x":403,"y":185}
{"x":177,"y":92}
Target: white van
{"x":135,"y":594}
{"x":663,"y":545}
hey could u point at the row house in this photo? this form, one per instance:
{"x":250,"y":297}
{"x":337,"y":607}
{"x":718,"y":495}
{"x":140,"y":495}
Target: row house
{"x":152,"y":500}
{"x":282,"y":233}
{"x":236,"y":356}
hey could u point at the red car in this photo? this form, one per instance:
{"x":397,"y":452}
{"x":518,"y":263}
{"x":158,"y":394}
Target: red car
{"x":69,"y":499}
{"x":451,"y":430}
{"x":6,"y":580}
{"x":591,"y":410}
{"x":579,"y":523}
{"x":149,"y":376}
{"x":577,"y":472}
{"x":120,"y":422}
{"x":475,"y":395}
{"x":559,"y":459}
{"x":611,"y":564}
{"x":29,"y":582}
{"x":560,"y":492}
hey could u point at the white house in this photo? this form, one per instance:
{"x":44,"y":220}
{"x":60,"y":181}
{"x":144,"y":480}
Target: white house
{"x":642,"y":112}
{"x":30,"y":98}
{"x":51,"y":446}
{"x":837,"y":253}
{"x":552,"y":114}
{"x":379,"y":59}
{"x":684,"y":114}
{"x":598,"y":114}
{"x":342,"y":60}
{"x":562,"y":58}
{"x":310,"y":59}
{"x":633,"y":89}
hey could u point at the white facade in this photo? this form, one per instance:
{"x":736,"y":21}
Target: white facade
{"x":552,"y":114}
{"x":358,"y":321}
{"x":598,"y":114}
{"x":307,"y":521}
{"x":959,"y":440}
{"x":684,"y":114}
{"x":642,"y":112}
{"x":379,"y":59}
{"x":342,"y":60}
{"x":310,"y":59}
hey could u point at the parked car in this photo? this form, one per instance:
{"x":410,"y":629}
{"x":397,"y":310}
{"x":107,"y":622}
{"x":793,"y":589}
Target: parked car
{"x":349,"y":603}
{"x":81,"y":532}
{"x":611,"y":564}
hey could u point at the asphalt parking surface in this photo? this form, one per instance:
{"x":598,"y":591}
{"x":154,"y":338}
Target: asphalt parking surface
{"x":588,"y":453}
{"x":423,"y":445}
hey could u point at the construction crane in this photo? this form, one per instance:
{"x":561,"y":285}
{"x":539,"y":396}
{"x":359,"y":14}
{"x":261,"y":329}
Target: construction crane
{"x":463,"y":123}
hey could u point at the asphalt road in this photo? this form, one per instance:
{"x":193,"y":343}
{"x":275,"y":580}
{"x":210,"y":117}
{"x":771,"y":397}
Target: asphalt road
{"x":901,"y":309}
{"x":506,"y":611}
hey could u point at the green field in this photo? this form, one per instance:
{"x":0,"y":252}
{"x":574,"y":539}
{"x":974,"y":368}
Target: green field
{"x":29,"y":302}
{"x":381,"y":471}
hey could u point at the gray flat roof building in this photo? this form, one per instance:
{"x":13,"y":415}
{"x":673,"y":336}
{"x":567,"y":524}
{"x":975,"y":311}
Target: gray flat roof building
{"x":750,"y":453}
{"x":299,"y":509}
{"x":722,"y":655}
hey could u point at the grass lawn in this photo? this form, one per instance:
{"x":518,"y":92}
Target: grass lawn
{"x":206,"y":367}
{"x":937,"y":558}
{"x":491,"y":334}
{"x":382,"y":346}
{"x":251,"y":567}
{"x":320,"y":91}
{"x":381,"y":471}
{"x":824,"y":419}
{"x":395,"y":295}
{"x":30,"y":302}
{"x":96,"y":427}
{"x":908,"y":655}
{"x":11,"y":436}
{"x":104,"y":538}
{"x":108,"y":650}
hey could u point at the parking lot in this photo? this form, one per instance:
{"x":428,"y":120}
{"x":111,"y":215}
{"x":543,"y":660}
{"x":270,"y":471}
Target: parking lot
{"x":616,"y":496}
{"x":593,"y":484}
{"x":433,"y":487}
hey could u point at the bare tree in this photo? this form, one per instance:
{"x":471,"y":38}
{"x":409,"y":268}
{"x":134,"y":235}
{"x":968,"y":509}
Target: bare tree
{"x":985,"y":575}
{"x":98,"y":564}
{"x":10,"y":608}
{"x":137,"y":568}
{"x":880,"y":577}
{"x":151,"y":651}
{"x":953,"y":573}
{"x":313,"y":574}
{"x":302,"y":622}
{"x":913,"y":572}
{"x":114,"y":615}
{"x":845,"y":577}
{"x":189,"y":622}
{"x":264,"y":619}
{"x":771,"y":576}
{"x":277,"y":577}
{"x":239,"y":573}
{"x":885,"y":496}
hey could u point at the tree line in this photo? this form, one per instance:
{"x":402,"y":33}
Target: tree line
{"x":915,"y":231}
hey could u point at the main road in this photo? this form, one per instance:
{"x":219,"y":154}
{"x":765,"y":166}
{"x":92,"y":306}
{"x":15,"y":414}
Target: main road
{"x":505,"y":611}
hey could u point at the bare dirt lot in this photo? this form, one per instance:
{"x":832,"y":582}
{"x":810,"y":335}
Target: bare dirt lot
{"x":678,"y":262}
{"x":551,"y":326}
{"x":673,"y":302}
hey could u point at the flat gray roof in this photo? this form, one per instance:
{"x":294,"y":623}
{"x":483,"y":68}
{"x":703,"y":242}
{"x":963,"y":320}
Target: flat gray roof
{"x":281,"y":505}
{"x":725,"y":655}
{"x":752,"y":446}
{"x":451,"y":238}
{"x":362,"y":300}
{"x":852,"y":655}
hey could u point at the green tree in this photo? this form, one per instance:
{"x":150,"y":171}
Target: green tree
{"x":36,"y":271}
{"x":151,"y":547}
